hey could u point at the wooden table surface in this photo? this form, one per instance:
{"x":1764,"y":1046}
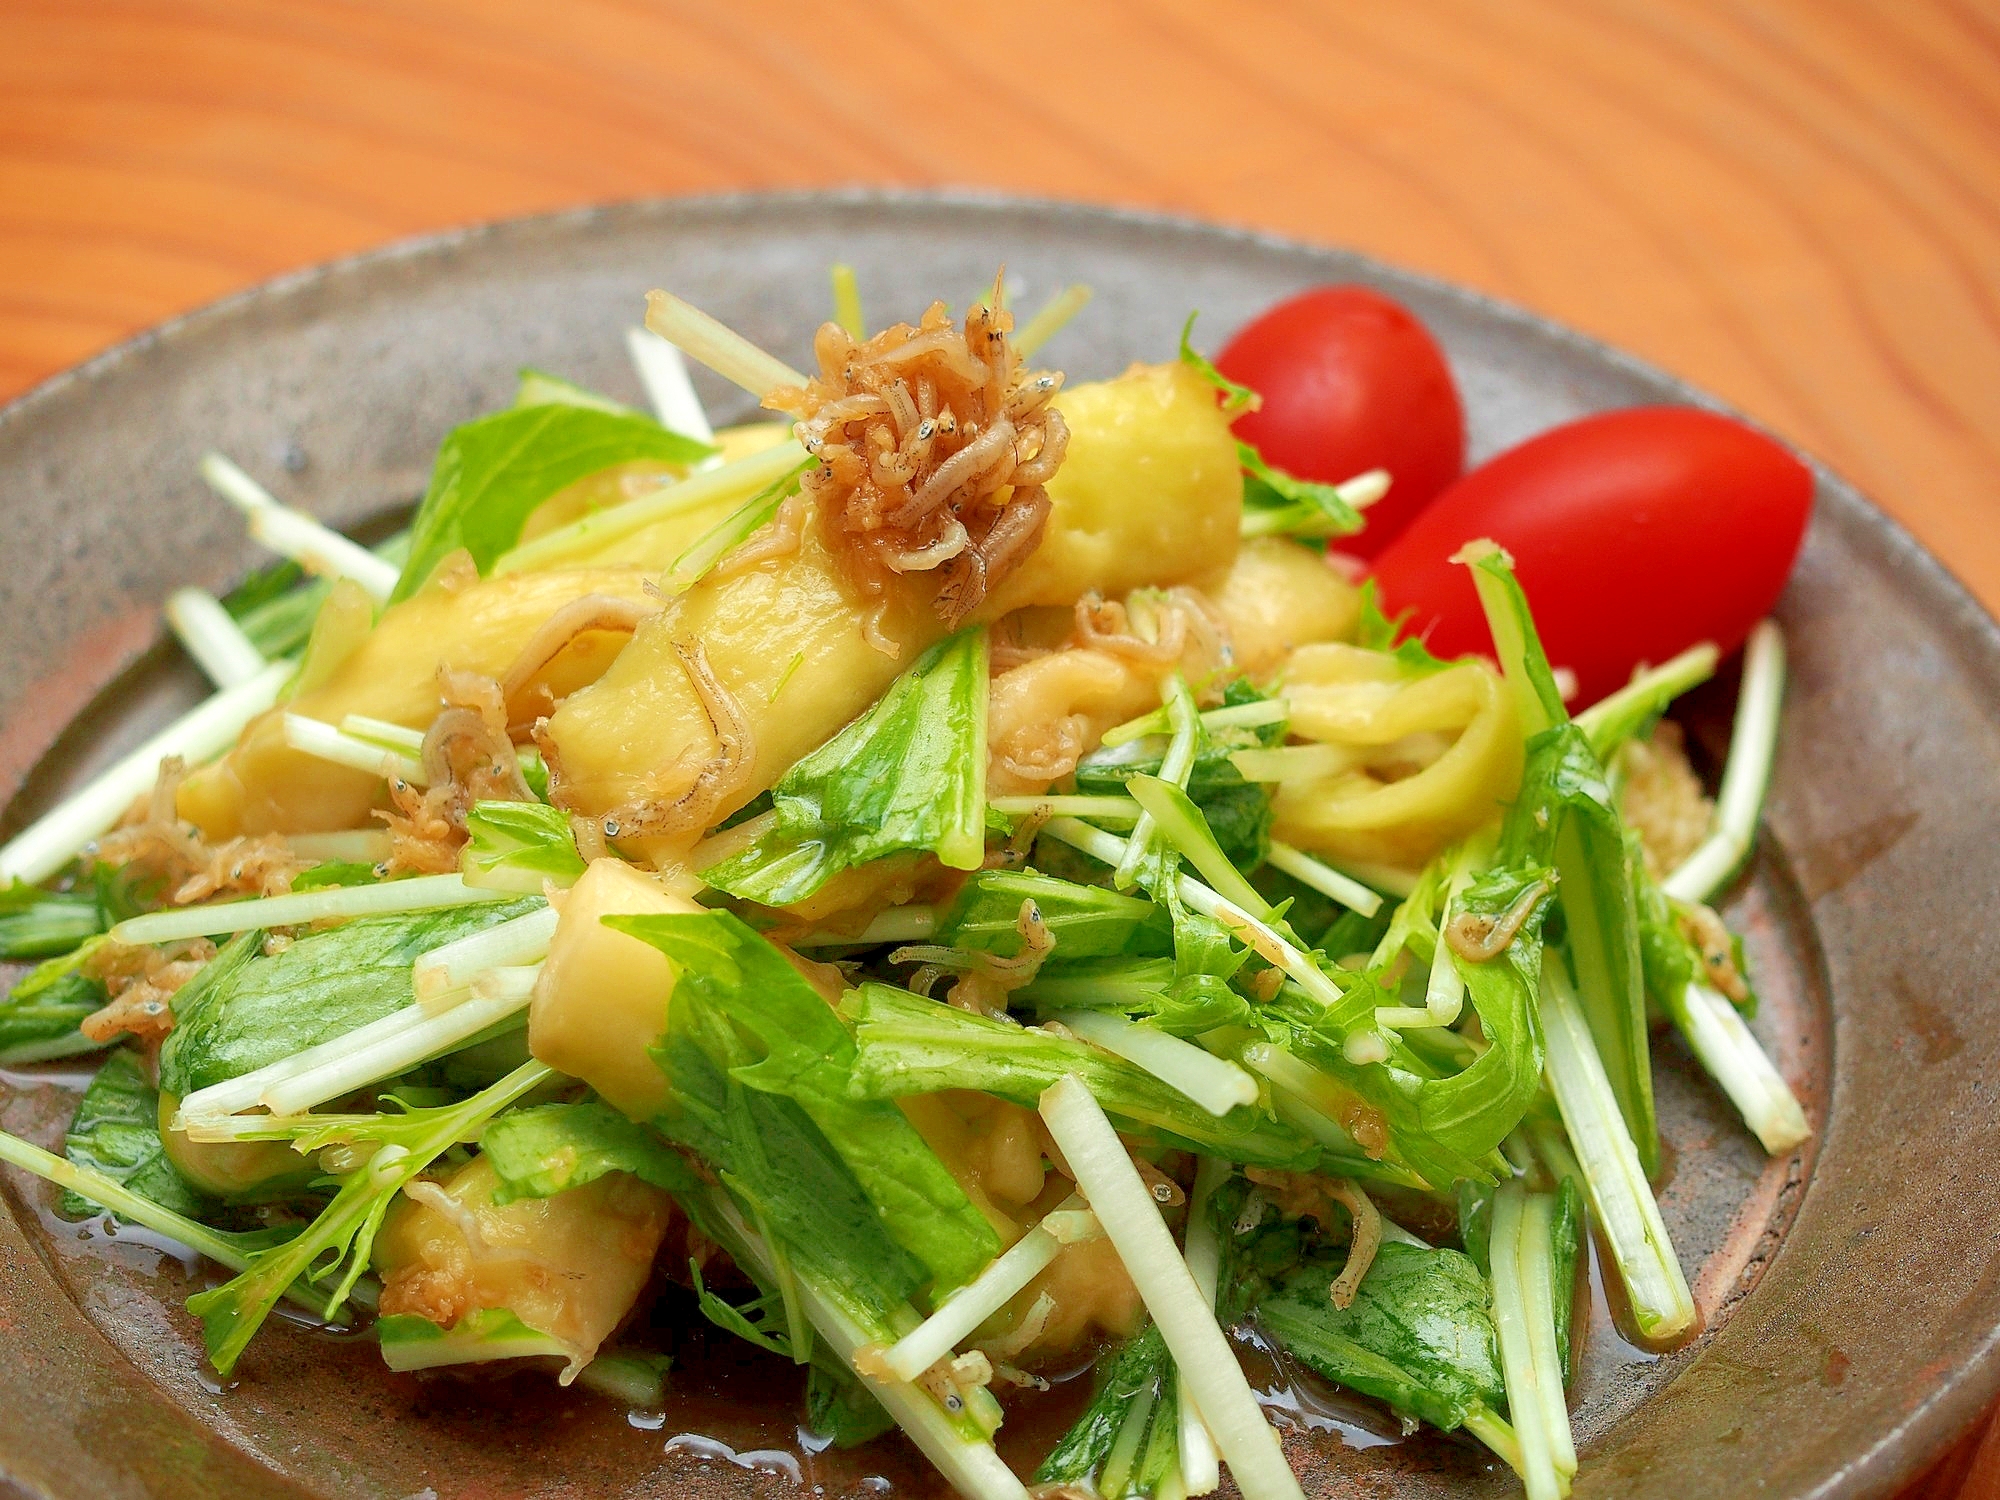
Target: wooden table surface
{"x":1794,"y":203}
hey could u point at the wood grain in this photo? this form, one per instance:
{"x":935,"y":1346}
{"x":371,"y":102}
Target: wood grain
{"x":1793,"y":203}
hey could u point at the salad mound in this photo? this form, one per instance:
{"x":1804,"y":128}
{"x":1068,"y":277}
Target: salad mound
{"x":958,"y":878}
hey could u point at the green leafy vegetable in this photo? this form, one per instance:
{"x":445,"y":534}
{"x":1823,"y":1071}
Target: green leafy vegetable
{"x":335,"y":872}
{"x":117,"y":1132}
{"x":1137,"y":1370}
{"x":1443,"y":1124}
{"x":516,"y":846}
{"x":343,"y":1236}
{"x":35,"y":923}
{"x":1395,"y":1089}
{"x":1632,"y":711}
{"x":552,"y":1148}
{"x":910,"y":774}
{"x":276,"y":606}
{"x":244,"y":1011}
{"x":1418,"y":1335}
{"x":263,"y":588}
{"x":1235,"y":397}
{"x":1238,"y":812}
{"x":1479,"y":1107}
{"x":716,"y":543}
{"x":1377,"y":632}
{"x":759,"y":1322}
{"x":804,"y":1054}
{"x":1677,"y":977}
{"x":534,"y":771}
{"x":1086,"y":921}
{"x":484,"y":1334}
{"x":1565,"y":1246}
{"x":1297,"y":507}
{"x":777,"y":1166}
{"x":1256,"y":1248}
{"x":1475,"y":1223}
{"x":1180,"y":1004}
{"x":1185,"y":831}
{"x":909,"y":1045}
{"x":491,"y":474}
{"x":839,"y":1407}
{"x":1566,"y":818}
{"x":39,"y":1019}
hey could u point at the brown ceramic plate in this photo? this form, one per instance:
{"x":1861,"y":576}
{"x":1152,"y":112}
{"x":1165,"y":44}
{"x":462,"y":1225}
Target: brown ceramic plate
{"x":1852,"y":1294}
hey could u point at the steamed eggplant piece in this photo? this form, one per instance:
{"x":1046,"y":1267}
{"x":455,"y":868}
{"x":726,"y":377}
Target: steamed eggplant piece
{"x":1148,"y":494}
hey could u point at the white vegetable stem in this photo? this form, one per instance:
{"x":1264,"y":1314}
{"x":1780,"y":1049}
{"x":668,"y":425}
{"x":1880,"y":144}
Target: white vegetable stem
{"x":970,"y":1467}
{"x":498,"y":995}
{"x":1537,"y":1252}
{"x":399,"y":737}
{"x":664,"y":374}
{"x":709,"y":487}
{"x":1201,"y":1470}
{"x":718,"y":346}
{"x":213,"y":638}
{"x":1175,"y":768}
{"x":1207,"y":1365}
{"x":1217,"y":1085}
{"x":1620,"y":1196}
{"x":1726,"y":1048}
{"x":1110,"y":849}
{"x":1525,"y":1397}
{"x":1362,"y":491}
{"x":898,"y":924}
{"x":246,"y":1089}
{"x":1387,"y":879}
{"x":423,"y":893}
{"x":1104,"y":809}
{"x":1323,"y":878}
{"x":292,"y":533}
{"x":1237,"y":716}
{"x":1667,"y":681}
{"x":1444,"y":991}
{"x":1053,"y":317}
{"x":59,"y":835}
{"x":324,"y":742}
{"x":976,"y":1301}
{"x":520,"y":940}
{"x":1753,"y":745}
{"x":108,"y":1193}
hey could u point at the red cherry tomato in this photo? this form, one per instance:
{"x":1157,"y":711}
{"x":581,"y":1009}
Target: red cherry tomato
{"x":1635,"y":535}
{"x":1351,"y":382}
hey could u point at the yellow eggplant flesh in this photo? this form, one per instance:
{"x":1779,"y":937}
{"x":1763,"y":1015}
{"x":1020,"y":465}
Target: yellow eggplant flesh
{"x":570,"y":1265}
{"x":1281,"y":595}
{"x":784,"y":642}
{"x":1150,"y":493}
{"x":265,"y":786}
{"x":601,"y":999}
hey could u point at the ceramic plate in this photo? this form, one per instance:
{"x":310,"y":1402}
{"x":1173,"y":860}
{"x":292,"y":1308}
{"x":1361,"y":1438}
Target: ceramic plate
{"x":1851,"y":1293}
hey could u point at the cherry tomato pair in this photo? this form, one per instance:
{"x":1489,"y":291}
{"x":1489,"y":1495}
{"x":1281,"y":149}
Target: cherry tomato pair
{"x":1635,"y":533}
